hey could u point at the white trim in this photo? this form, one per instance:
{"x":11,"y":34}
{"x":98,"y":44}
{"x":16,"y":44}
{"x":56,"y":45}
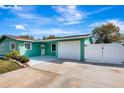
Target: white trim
{"x":26,"y":40}
{"x":2,"y":46}
{"x":11,"y":46}
{"x":30,"y":45}
{"x":51,"y":47}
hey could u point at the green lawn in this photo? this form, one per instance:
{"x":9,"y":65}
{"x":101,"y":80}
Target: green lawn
{"x":6,"y":66}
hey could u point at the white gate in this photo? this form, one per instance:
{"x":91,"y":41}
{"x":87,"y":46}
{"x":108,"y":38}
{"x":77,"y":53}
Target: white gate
{"x":105,"y":53}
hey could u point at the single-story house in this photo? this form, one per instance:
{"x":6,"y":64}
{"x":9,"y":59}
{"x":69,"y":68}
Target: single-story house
{"x":68,"y":47}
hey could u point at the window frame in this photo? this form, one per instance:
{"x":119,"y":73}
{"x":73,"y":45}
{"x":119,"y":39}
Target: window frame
{"x":11,"y":46}
{"x":2,"y":46}
{"x":52,"y":48}
{"x":30,"y":45}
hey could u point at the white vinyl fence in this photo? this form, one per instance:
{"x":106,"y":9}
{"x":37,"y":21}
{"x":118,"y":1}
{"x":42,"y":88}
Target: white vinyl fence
{"x":105,"y":53}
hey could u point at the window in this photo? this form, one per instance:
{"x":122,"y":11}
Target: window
{"x":28,"y":46}
{"x":53,"y":47}
{"x":12,"y":46}
{"x":2,"y":46}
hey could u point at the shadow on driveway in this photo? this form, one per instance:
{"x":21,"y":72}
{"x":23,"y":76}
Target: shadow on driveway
{"x":105,"y":64}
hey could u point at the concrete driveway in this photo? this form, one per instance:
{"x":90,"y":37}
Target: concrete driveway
{"x":41,"y":59}
{"x":66,"y":75}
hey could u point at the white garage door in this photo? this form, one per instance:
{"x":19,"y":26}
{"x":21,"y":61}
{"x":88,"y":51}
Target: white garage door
{"x":69,"y":50}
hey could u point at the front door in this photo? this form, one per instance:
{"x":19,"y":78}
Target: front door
{"x":42,"y":50}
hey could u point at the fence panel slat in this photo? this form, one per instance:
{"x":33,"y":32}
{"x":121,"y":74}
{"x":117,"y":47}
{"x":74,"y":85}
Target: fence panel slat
{"x":93,"y":53}
{"x":112,"y":53}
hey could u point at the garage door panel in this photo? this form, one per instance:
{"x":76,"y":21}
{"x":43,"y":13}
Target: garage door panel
{"x":69,"y":50}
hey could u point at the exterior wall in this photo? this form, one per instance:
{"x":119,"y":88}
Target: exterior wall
{"x":87,"y":41}
{"x":6,"y":42}
{"x":84,"y":42}
{"x":82,"y":49}
{"x":48,"y":51}
{"x":36,"y":47}
{"x":35,"y":51}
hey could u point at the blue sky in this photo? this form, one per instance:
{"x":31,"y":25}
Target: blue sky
{"x":45,"y":20}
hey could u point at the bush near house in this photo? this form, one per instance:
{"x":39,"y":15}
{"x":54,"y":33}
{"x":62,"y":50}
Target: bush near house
{"x":23,"y":59}
{"x":16,"y":56}
{"x":8,"y":56}
{"x":12,"y":55}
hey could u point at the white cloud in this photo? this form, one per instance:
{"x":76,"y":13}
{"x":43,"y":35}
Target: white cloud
{"x":55,"y":31}
{"x":117,"y":22}
{"x":12,"y":7}
{"x":69,"y":14}
{"x":20,"y":27}
{"x":26,"y":15}
{"x":34,"y":18}
{"x":99,"y":10}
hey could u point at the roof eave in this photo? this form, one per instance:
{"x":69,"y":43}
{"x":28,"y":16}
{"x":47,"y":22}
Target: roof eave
{"x":64,"y":38}
{"x":26,"y":40}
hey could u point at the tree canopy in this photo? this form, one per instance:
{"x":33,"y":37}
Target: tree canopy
{"x":106,"y":33}
{"x":27,"y":36}
{"x":50,"y":37}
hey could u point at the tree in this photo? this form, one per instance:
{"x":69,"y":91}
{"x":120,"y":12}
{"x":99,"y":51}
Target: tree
{"x":44,"y":37}
{"x":106,"y":33}
{"x":27,"y":37}
{"x":50,"y":37}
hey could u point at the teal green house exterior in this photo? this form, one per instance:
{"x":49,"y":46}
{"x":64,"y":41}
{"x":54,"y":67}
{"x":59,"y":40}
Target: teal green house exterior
{"x":64,"y":47}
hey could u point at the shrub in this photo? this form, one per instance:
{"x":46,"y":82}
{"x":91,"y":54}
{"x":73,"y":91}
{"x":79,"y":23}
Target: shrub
{"x":12,"y":55}
{"x":24,"y":59}
{"x":16,"y":56}
{"x":8,"y":56}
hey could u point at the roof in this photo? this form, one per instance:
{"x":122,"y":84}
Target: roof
{"x":85,"y":35}
{"x":68,"y":37}
{"x":60,"y":38}
{"x":17,"y":38}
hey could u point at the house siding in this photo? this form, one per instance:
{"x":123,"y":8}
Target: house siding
{"x":82,"y":49}
{"x":87,"y":41}
{"x":7,"y":42}
{"x":35,"y":51}
{"x":48,"y":51}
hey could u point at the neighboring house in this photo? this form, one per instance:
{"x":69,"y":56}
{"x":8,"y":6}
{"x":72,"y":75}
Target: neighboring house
{"x":69,"y":47}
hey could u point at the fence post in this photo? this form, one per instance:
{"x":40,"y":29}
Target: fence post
{"x":102,"y":54}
